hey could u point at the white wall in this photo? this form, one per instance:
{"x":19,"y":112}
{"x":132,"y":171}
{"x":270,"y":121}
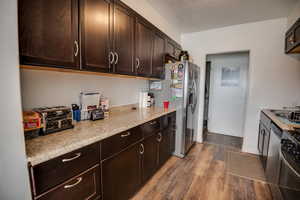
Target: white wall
{"x":144,"y":8}
{"x":42,"y":88}
{"x":14,"y":181}
{"x":294,"y":16}
{"x":274,"y":78}
{"x":227,"y":103}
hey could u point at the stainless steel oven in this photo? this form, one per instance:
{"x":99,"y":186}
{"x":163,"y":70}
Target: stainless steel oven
{"x":289,"y":176}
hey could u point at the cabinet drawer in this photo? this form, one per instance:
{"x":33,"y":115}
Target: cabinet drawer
{"x":117,"y":143}
{"x":151,"y":127}
{"x":58,"y":170}
{"x":84,"y":186}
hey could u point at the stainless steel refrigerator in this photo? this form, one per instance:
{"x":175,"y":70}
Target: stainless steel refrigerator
{"x":181,"y":88}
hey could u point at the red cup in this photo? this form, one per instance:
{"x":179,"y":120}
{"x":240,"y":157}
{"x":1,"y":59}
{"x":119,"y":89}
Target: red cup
{"x":166,"y":104}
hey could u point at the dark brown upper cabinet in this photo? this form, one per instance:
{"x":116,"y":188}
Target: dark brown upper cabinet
{"x":123,"y":39}
{"x":143,"y":47}
{"x":158,"y":58}
{"x":292,"y":39}
{"x":92,"y":35}
{"x":48,"y":33}
{"x":96,"y":18}
{"x":170,"y":48}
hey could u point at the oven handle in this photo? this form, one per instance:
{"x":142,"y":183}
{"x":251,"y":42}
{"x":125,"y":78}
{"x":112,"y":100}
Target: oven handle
{"x":288,"y":164}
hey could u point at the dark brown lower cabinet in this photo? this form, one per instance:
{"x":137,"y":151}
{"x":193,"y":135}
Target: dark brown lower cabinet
{"x":164,"y":139}
{"x":83,"y":186}
{"x":121,"y":174}
{"x":127,"y":161}
{"x":150,"y":157}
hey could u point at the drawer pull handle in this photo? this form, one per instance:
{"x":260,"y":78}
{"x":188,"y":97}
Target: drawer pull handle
{"x":77,"y":155}
{"x":152,"y":123}
{"x":78,"y":180}
{"x":77,"y":48}
{"x":142,"y":150}
{"x":125,"y":135}
{"x":159,"y":137}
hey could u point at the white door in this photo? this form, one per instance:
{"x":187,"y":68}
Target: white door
{"x":228,"y":90}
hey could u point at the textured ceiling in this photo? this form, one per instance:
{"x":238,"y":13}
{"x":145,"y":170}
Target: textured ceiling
{"x":198,"y":15}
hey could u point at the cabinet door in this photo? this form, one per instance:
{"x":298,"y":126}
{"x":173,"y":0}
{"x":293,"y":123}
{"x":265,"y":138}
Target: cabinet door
{"x":158,"y":56}
{"x":48,"y":33}
{"x":124,"y":21}
{"x":95,"y":35}
{"x":150,"y":157}
{"x":122,"y":174}
{"x":143,"y":48}
{"x":164,"y":146}
{"x":170,"y":49}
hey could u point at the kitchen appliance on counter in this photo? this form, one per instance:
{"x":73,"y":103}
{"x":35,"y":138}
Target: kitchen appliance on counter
{"x":181,"y":89}
{"x":55,"y":118}
{"x":289,"y":175}
{"x":97,"y":114}
{"x":89,"y":101}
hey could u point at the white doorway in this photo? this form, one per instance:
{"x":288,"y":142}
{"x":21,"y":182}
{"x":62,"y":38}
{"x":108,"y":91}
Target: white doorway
{"x":228,"y":86}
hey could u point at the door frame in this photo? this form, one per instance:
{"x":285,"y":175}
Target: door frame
{"x":247,"y":88}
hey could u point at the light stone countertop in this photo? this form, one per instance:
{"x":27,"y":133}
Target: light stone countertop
{"x":282,"y":123}
{"x":47,"y":147}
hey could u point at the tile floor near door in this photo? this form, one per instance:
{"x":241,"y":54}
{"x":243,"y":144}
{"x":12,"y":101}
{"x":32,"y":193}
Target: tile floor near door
{"x":202,"y":175}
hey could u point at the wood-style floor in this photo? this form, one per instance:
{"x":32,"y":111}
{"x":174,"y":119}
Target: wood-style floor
{"x":232,"y":142}
{"x":201,"y":175}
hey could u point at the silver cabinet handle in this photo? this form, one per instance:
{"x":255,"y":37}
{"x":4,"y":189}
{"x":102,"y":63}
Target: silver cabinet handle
{"x":77,"y":155}
{"x":126,"y":135}
{"x":117,"y":58}
{"x":78,"y":180}
{"x":159,"y":137}
{"x":292,"y":39}
{"x":111,"y":57}
{"x":77,"y":48}
{"x":152,"y":123}
{"x":137,"y":63}
{"x":142,"y":150}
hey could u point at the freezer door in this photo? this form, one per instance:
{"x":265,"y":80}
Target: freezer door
{"x":191,"y":106}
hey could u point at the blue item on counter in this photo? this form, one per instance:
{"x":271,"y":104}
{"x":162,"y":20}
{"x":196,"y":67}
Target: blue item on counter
{"x":77,"y":115}
{"x":76,"y":112}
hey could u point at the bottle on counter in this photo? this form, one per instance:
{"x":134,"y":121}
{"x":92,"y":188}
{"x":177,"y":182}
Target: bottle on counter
{"x":76,"y":112}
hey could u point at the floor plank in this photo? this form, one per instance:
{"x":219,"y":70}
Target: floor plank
{"x":201,"y":175}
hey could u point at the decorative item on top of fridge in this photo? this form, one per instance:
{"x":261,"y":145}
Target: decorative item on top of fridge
{"x":184,"y":55}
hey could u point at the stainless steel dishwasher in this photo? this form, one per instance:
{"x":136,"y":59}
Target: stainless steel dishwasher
{"x":273,"y":159}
